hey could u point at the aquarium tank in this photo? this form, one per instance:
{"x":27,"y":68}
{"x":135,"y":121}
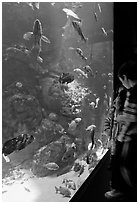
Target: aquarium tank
{"x":57,"y":88}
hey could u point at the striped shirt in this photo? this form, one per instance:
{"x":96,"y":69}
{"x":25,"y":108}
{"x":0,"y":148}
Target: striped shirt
{"x":129,"y":116}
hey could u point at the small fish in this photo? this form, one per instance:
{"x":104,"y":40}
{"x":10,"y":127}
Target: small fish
{"x":92,"y":104}
{"x":19,"y":84}
{"x":81,"y":171}
{"x":90,"y":127}
{"x":51,"y":166}
{"x":69,"y":154}
{"x":97,"y":100}
{"x":4,"y":191}
{"x":99,"y":8}
{"x":73,"y":124}
{"x":77,"y":120}
{"x":27,"y":189}
{"x":34,"y":5}
{"x":88,"y":69}
{"x":104,"y":87}
{"x":37,"y":35}
{"x":80,"y":52}
{"x":110,"y":74}
{"x":95,"y":15}
{"x":76,"y":167}
{"x":77,"y":27}
{"x":66,"y":78}
{"x":104,"y":32}
{"x":69,"y":184}
{"x":69,"y":12}
{"x":80,"y":72}
{"x":64,"y":191}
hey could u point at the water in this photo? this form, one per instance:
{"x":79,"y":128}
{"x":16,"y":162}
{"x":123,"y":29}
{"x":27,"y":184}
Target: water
{"x":34,"y":102}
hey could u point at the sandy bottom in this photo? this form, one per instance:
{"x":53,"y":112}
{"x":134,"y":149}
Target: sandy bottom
{"x":28,"y":188}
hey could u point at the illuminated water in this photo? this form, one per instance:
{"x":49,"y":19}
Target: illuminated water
{"x":35,"y":103}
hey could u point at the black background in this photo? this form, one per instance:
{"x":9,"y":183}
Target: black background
{"x":125,"y":34}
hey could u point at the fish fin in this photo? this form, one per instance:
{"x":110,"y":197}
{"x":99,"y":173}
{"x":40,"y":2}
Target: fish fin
{"x":27,"y":35}
{"x":45,"y":39}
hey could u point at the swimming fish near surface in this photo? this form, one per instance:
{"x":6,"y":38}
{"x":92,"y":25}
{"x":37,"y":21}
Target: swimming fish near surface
{"x":34,"y":5}
{"x":69,"y":12}
{"x":37,"y":35}
{"x":77,"y":27}
{"x":100,"y":10}
{"x":64,"y":191}
{"x":51,"y":166}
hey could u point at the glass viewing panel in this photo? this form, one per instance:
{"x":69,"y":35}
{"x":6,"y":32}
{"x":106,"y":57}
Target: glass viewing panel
{"x":57,"y":71}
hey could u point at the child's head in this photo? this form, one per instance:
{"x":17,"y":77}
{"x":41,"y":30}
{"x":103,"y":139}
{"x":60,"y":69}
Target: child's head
{"x":128,"y":74}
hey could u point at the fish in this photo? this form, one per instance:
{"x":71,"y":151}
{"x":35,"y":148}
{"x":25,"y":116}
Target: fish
{"x":95,"y":15}
{"x":104,"y":32}
{"x":34,"y":5}
{"x":27,"y":189}
{"x":90,"y":127}
{"x":97,"y":100}
{"x":64,"y":191}
{"x":77,"y":120}
{"x":66,"y":78}
{"x":69,"y":12}
{"x":80,"y":72}
{"x":17,"y":143}
{"x":51,"y":166}
{"x":77,"y":27}
{"x":92,"y":104}
{"x":69,"y":154}
{"x":37,"y":36}
{"x":88,"y":69}
{"x":80,"y":53}
{"x":81,"y":171}
{"x":73,"y":124}
{"x":69,"y":184}
{"x":100,"y":10}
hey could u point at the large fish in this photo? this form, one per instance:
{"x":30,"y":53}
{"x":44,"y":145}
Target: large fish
{"x":16,"y":144}
{"x":69,"y":12}
{"x":77,"y":27}
{"x":51,"y":166}
{"x":37,"y":35}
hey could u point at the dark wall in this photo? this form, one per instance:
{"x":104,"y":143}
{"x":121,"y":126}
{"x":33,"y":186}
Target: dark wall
{"x":125,"y":34}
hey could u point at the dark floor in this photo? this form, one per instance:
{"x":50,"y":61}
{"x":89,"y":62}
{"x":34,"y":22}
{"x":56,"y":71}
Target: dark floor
{"x":97,"y":184}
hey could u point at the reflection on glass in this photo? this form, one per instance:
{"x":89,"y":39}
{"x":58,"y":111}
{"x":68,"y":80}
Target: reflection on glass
{"x":57,"y":90}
